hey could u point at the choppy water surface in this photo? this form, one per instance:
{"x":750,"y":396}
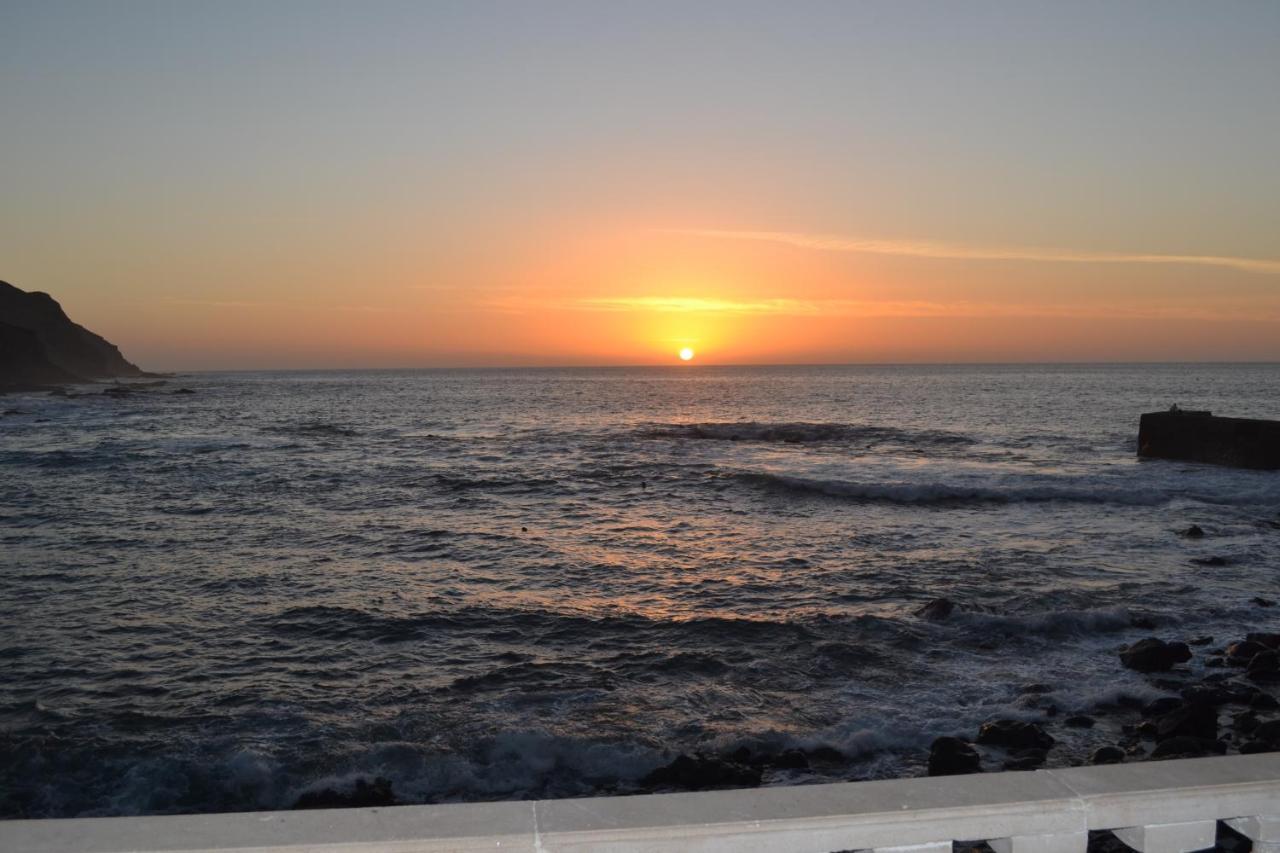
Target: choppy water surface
{"x":503,"y":584}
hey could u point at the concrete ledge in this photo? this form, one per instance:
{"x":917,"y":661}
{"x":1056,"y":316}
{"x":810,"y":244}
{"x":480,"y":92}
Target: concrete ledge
{"x":1017,"y":810}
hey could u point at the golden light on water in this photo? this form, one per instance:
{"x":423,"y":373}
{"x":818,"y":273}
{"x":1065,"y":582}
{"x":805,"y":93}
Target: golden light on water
{"x":686,"y":354}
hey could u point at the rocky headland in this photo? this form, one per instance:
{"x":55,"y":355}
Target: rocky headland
{"x":41,"y":347}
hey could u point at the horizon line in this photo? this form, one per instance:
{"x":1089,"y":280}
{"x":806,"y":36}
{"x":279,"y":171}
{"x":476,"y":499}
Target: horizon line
{"x":703,"y":365}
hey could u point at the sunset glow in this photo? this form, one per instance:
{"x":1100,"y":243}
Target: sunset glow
{"x":494,"y":204}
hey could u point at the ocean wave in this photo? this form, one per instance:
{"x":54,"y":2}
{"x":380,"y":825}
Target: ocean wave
{"x":314,"y":429}
{"x":806,"y":433}
{"x":1044,"y":489}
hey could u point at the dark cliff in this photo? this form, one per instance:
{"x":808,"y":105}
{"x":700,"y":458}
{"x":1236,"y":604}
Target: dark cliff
{"x":40,"y":345}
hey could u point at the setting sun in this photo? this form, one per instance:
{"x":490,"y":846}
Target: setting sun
{"x":686,"y":354}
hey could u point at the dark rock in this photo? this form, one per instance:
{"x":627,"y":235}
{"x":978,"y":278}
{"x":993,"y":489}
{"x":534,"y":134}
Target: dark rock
{"x":1185,"y":746}
{"x":701,"y":772}
{"x":1160,"y":706}
{"x":1245,"y":722}
{"x":1264,"y":666}
{"x":1263,"y":700}
{"x":1253,"y":746}
{"x":1026,"y":759}
{"x":1079,"y":721}
{"x":1208,"y":695}
{"x":937,"y":610}
{"x":1014,"y":734}
{"x":1195,"y":531}
{"x":1148,"y":729}
{"x":791,"y":759}
{"x":951,"y":756}
{"x":1200,"y":641}
{"x":1107,"y":755}
{"x":1215,"y":663}
{"x":363,"y":795}
{"x":1268,"y":731}
{"x":1263,"y":602}
{"x":1153,"y":655}
{"x":1210,"y":561}
{"x":1146,"y":623}
{"x":183,"y":391}
{"x":1170,"y":683}
{"x":1193,"y":719}
{"x":1271,"y":641}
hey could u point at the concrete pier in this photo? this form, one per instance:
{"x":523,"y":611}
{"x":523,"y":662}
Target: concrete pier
{"x":1201,"y":437}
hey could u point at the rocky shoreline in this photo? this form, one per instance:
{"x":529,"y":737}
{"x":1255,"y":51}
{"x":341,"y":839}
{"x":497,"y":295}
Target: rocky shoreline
{"x":1230,"y":704}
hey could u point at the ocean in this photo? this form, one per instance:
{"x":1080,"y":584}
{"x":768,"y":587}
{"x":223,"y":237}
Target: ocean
{"x":504,"y":584}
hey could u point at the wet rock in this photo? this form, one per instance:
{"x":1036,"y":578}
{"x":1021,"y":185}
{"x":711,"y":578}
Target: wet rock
{"x":1215,"y":663}
{"x":1107,"y":755}
{"x":1014,"y":734}
{"x":1200,"y":641}
{"x":791,"y":759}
{"x":1254,"y":746}
{"x":1035,"y":689}
{"x":1185,"y":746}
{"x":701,"y":772}
{"x":1268,"y":732}
{"x":1079,"y":721}
{"x":1153,"y":655}
{"x":1161,"y":706}
{"x":1195,"y":531}
{"x":1142,"y":621}
{"x":1271,"y":641}
{"x":1264,"y":667}
{"x":183,"y":391}
{"x":1209,"y":694}
{"x":951,"y":756}
{"x":363,"y":795}
{"x":1263,"y":602}
{"x":1210,"y":561}
{"x":1193,"y":719}
{"x":1263,"y":701}
{"x":937,"y":610}
{"x":1026,"y":759}
{"x":1245,"y":721}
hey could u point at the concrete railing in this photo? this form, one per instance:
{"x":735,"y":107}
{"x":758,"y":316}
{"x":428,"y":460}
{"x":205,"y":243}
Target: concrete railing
{"x":1159,"y":807}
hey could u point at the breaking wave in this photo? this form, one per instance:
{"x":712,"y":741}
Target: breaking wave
{"x":807,"y":433}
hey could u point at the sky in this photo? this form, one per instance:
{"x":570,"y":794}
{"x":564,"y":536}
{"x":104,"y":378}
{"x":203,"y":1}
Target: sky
{"x":378,"y":184}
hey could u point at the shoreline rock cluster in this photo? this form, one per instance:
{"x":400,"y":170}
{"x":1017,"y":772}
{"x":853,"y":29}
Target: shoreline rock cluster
{"x":1232,"y":707}
{"x":1233,"y":710}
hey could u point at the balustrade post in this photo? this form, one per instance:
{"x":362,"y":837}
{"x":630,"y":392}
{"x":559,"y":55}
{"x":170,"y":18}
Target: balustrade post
{"x":1262,"y":830}
{"x":1065,"y":842}
{"x":1170,"y":837}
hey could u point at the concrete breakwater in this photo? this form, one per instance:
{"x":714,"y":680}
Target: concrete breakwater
{"x":1199,"y":436}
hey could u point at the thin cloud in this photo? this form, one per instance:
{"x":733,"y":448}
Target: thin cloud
{"x":688,"y":305}
{"x":880,"y":309}
{"x":212,"y":303}
{"x":954,"y":251}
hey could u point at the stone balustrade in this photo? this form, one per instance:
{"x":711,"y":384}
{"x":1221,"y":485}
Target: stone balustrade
{"x":1154,"y":807}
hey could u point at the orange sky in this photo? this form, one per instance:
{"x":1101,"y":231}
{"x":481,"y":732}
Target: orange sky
{"x":273,"y":185}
